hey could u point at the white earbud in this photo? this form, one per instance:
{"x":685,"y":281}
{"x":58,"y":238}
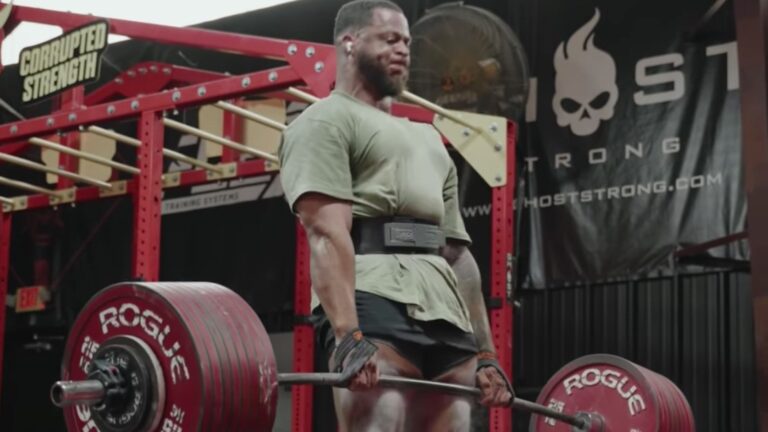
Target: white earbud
{"x":348,"y":48}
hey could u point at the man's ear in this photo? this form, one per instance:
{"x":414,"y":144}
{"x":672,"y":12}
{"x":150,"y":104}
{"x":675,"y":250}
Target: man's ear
{"x":346,"y":42}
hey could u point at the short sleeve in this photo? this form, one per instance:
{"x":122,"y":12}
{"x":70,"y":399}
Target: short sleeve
{"x":314,"y":157}
{"x":453,"y":224}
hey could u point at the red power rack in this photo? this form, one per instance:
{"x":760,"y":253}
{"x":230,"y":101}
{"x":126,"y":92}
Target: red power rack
{"x":309,"y":66}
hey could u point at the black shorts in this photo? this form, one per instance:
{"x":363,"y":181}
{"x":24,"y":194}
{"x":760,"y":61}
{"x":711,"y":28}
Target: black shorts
{"x":432,"y":346}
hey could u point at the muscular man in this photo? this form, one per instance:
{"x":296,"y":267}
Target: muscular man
{"x":399,"y":290}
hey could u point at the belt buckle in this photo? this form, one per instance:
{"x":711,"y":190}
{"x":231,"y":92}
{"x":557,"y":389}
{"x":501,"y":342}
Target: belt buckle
{"x":415,"y":235}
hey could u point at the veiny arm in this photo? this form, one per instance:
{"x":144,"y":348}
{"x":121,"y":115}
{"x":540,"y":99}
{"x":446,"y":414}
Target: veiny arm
{"x":495,"y":386}
{"x":327,"y":222}
{"x":468,"y":275}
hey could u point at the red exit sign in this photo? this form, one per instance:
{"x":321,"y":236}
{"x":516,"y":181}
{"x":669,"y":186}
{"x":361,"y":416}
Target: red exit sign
{"x":30,"y":299}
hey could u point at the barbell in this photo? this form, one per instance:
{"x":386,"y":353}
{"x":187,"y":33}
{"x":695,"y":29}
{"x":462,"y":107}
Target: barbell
{"x":194,"y":356}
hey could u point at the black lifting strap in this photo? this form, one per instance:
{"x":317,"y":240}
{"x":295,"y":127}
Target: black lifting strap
{"x":355,"y":350}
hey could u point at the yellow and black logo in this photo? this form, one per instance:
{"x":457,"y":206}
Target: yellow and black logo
{"x":71,"y":59}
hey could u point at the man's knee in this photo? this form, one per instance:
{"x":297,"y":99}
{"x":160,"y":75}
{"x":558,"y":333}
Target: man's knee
{"x":441,"y":412}
{"x":376,"y":410}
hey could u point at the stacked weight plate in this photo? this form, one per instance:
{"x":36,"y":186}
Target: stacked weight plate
{"x":626,"y":396}
{"x":217,"y":362}
{"x":678,"y":415}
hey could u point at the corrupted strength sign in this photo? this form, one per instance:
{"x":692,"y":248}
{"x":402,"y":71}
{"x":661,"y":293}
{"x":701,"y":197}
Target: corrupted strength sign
{"x":71,"y":59}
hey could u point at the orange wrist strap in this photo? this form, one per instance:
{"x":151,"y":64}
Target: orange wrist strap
{"x":487,"y":355}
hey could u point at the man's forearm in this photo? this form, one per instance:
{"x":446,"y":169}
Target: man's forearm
{"x":332,"y":270}
{"x":468,"y":275}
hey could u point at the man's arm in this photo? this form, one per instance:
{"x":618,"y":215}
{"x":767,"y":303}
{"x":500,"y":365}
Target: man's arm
{"x":468,"y":275}
{"x":327,"y":222}
{"x":496,"y":389}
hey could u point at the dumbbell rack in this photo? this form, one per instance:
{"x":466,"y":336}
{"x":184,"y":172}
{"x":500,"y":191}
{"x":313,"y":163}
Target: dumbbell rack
{"x":309,"y":66}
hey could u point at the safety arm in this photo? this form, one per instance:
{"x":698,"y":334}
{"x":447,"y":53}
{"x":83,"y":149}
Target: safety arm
{"x":327,"y":222}
{"x":468,"y":275}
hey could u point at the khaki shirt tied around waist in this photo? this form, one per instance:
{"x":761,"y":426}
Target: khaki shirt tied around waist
{"x":384,"y":166}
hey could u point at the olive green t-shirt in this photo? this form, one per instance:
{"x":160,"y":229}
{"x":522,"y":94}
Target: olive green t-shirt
{"x":384,"y":166}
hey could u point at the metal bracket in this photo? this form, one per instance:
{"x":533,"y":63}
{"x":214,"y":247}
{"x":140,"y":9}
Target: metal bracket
{"x":484,"y":147}
{"x":118,"y":188}
{"x":314,"y":63}
{"x":19,"y":203}
{"x":63,"y":196}
{"x":494,"y":302}
{"x":171,"y":180}
{"x":271,"y":166}
{"x":228,"y":170}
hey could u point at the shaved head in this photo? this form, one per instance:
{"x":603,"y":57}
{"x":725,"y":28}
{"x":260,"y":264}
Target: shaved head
{"x":357,"y":14}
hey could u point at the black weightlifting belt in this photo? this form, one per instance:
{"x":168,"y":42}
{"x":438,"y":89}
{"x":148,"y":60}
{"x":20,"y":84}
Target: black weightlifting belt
{"x":396,"y":235}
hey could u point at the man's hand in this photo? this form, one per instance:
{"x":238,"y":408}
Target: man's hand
{"x":355,"y":358}
{"x":492,"y":382}
{"x":367,"y":377}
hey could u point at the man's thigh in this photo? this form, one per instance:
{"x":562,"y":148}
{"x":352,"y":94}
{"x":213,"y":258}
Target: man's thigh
{"x":377,"y":409}
{"x":434,"y":411}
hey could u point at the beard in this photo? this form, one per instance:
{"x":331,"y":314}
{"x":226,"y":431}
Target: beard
{"x":377,"y":77}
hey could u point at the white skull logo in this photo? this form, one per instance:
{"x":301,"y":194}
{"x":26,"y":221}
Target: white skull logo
{"x":585,"y":84}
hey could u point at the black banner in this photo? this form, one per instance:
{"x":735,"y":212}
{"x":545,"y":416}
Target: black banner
{"x":631,"y":144}
{"x":629,"y":150}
